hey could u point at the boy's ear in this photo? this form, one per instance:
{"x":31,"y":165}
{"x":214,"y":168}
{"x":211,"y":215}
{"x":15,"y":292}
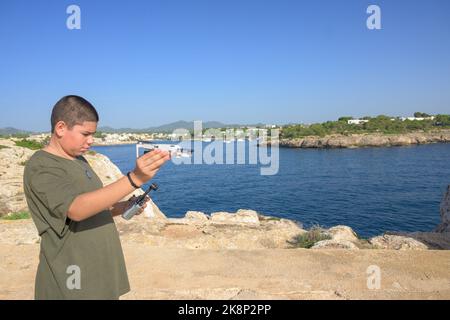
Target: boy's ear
{"x":60,"y":128}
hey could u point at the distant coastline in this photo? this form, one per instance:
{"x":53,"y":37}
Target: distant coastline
{"x":338,"y":140}
{"x":329,"y":141}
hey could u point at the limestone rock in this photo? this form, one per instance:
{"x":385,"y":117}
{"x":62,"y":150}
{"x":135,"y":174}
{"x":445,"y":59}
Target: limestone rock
{"x":396,"y":242}
{"x":12,"y":165}
{"x":445,"y":213}
{"x":401,"y":140}
{"x":366,"y":140}
{"x":342,"y":233}
{"x":106,"y":170}
{"x":196,"y":231}
{"x":433,"y":240}
{"x":335,"y":244}
{"x":18,"y":232}
{"x":240,"y":217}
{"x":196,"y":216}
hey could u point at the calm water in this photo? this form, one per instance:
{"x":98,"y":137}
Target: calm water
{"x":371,"y":190}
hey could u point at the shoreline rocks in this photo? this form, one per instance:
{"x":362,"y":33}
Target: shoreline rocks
{"x":367,"y":140}
{"x":445,"y":213}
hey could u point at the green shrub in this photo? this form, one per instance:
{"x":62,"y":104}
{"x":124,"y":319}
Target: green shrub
{"x":3,"y":147}
{"x":17,"y":215}
{"x":99,"y":134}
{"x":30,"y":144}
{"x":309,"y":238}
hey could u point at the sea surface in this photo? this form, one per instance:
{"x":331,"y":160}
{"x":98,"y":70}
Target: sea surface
{"x":372,"y":190}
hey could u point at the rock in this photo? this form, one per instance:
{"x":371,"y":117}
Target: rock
{"x":18,"y":232}
{"x":342,"y":233}
{"x":196,"y":231}
{"x":433,"y":240}
{"x":342,"y":141}
{"x":342,"y":237}
{"x":374,"y":140}
{"x":401,"y":140}
{"x":311,"y":142}
{"x":12,"y":165}
{"x":248,"y":217}
{"x":106,"y":170}
{"x":367,"y":140}
{"x":335,"y":244}
{"x":196,"y":216}
{"x":396,"y":242}
{"x":445,"y":213}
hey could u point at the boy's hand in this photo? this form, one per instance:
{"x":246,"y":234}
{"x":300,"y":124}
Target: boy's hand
{"x":148,"y":164}
{"x":131,"y":202}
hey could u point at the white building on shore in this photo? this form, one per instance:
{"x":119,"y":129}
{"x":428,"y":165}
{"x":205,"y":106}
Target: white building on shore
{"x":416,"y":119}
{"x":357,"y":121}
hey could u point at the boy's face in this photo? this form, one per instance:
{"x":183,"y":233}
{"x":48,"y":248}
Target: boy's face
{"x":78,"y":140}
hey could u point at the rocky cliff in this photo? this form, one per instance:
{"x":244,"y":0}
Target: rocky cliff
{"x":367,"y":140}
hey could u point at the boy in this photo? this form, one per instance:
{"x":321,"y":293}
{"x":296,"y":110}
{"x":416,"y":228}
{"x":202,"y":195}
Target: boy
{"x":81,"y":256}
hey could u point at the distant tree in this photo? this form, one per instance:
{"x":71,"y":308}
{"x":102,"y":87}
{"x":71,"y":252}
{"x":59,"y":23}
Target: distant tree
{"x":421,"y":115}
{"x":382,"y":117}
{"x":345,"y":119}
{"x":442,"y":120}
{"x":99,"y":134}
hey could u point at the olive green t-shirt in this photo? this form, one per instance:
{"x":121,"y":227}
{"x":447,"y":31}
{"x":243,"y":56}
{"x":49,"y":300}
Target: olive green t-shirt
{"x":77,"y":260}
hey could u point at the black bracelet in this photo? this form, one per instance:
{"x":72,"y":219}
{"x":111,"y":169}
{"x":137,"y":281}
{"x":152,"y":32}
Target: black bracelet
{"x":131,"y":181}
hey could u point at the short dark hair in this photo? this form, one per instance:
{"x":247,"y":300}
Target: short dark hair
{"x":73,"y":110}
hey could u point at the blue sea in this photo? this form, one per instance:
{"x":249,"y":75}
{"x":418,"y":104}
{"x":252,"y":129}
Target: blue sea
{"x":371,"y":190}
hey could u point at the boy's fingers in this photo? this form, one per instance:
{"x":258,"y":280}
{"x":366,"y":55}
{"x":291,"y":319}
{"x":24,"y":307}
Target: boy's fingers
{"x":154,"y":158}
{"x":156,"y":164}
{"x":149,"y":154}
{"x":153,"y":153}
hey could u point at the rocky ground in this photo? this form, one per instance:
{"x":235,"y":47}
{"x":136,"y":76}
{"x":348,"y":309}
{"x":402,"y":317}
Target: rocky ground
{"x":230,"y":256}
{"x":176,"y":273}
{"x":241,"y":255}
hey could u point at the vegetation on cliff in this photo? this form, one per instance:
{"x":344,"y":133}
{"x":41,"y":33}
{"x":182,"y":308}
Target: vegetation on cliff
{"x":380,"y":124}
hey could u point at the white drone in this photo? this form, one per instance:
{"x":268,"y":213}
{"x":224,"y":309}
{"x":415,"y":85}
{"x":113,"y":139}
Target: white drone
{"x":175,"y":150}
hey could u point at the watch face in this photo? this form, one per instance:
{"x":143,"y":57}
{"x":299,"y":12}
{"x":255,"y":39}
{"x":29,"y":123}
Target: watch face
{"x":89,"y":174}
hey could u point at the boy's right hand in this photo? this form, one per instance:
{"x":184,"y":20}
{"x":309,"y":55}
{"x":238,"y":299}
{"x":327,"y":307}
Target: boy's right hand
{"x":148,"y":164}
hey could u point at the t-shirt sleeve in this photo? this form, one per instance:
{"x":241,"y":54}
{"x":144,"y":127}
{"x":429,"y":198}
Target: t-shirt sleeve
{"x":56,"y":191}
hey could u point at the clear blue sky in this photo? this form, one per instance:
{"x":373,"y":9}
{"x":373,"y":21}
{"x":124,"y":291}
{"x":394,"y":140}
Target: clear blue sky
{"x":147,"y":63}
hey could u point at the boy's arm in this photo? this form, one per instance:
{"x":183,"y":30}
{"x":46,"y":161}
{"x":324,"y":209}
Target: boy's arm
{"x":88,"y":204}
